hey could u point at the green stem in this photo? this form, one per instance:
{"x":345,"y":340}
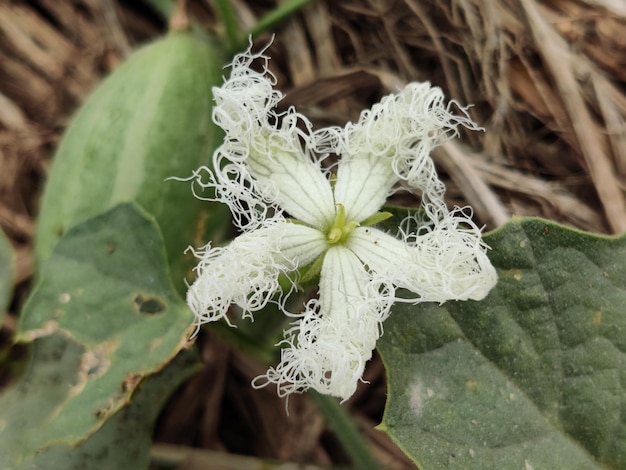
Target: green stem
{"x":345,"y":430}
{"x":275,"y":16}
{"x":227,"y":15}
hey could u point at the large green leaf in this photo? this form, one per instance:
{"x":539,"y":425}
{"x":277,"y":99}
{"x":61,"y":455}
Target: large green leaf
{"x":534,"y":376}
{"x":7,"y":273}
{"x":103,"y":316}
{"x":124,"y":441}
{"x":148,"y":121}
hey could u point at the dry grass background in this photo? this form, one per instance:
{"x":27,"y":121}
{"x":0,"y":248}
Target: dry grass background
{"x":548,"y":82}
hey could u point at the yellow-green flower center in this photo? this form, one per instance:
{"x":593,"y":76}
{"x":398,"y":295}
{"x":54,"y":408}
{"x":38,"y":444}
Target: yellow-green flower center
{"x":340,"y":229}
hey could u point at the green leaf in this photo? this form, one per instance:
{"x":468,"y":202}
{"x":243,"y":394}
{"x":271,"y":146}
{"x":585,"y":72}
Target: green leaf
{"x":148,"y":121}
{"x":7,"y":273}
{"x":534,"y":376}
{"x":104,"y":315}
{"x":124,"y":441}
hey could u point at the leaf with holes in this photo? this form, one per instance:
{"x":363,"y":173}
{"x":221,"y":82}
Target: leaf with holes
{"x":534,"y":376}
{"x":104,"y":315}
{"x":110,"y":446}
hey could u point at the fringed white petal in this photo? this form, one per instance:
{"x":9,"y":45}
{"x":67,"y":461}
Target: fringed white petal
{"x":444,"y":261}
{"x":266,"y":155}
{"x":328,"y":348}
{"x":402,"y":129}
{"x":230,"y":183}
{"x":246,"y":98}
{"x":301,"y":189}
{"x":454,"y":259}
{"x":246,"y":271}
{"x":302,"y":244}
{"x":381,"y":252}
{"x":363,"y":185}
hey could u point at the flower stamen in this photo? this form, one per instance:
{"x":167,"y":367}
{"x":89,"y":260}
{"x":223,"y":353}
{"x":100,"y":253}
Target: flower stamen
{"x":339,"y":230}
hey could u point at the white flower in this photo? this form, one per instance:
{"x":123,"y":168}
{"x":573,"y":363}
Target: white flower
{"x":293,"y":213}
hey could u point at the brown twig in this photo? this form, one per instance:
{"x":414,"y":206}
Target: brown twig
{"x":560,"y":63}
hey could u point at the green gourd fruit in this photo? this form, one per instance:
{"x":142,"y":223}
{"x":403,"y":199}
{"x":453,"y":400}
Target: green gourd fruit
{"x":148,"y":121}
